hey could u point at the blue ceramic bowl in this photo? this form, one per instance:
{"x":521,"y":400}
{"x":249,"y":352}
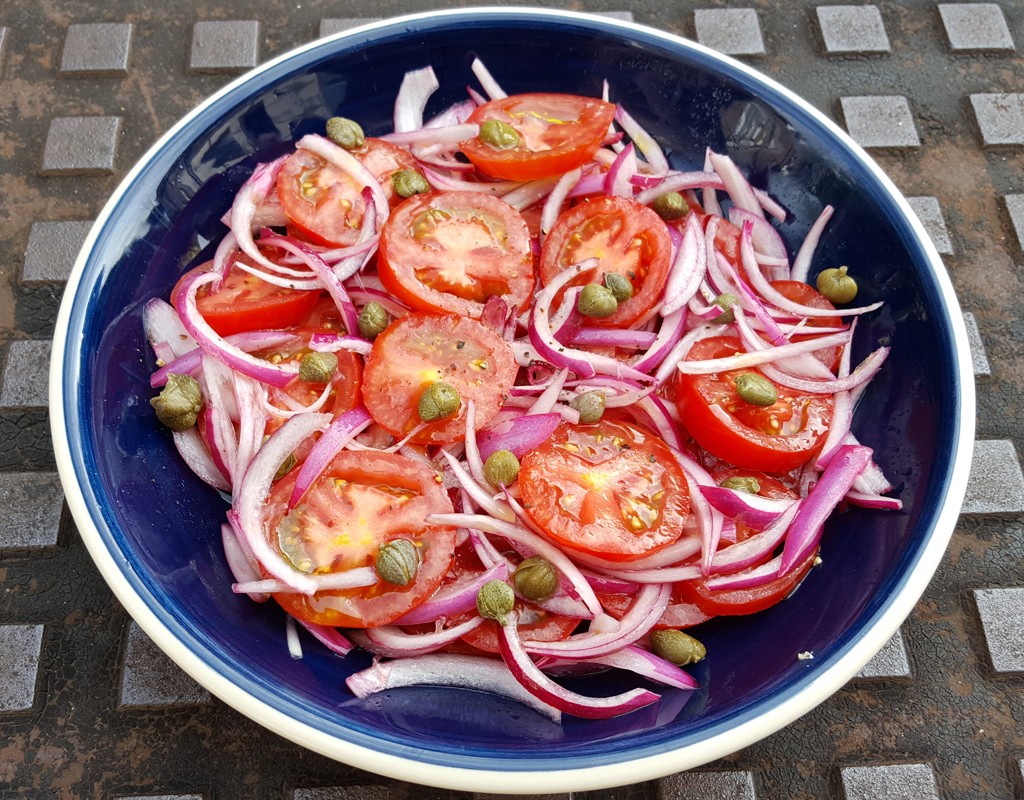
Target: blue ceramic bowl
{"x":153,"y":528}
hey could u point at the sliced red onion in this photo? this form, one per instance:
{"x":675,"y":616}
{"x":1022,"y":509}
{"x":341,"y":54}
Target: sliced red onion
{"x":190,"y":447}
{"x":679,"y":182}
{"x":356,"y":578}
{"x":802,"y":262}
{"x":333,"y":342}
{"x":500,"y":317}
{"x":487,"y":81}
{"x":237,"y":557}
{"x":223,"y":256}
{"x":744,"y":360}
{"x":248,"y":342}
{"x":393,"y":642}
{"x":339,"y":433}
{"x":768,"y":244}
{"x":451,"y":184}
{"x":709,"y":195}
{"x":688,"y":268}
{"x":547,"y":399}
{"x":292,"y":638}
{"x":415,"y":90}
{"x":613,"y":337}
{"x":740,"y":191}
{"x":164,"y":331}
{"x":219,"y":454}
{"x":805,"y":364}
{"x":753,"y":550}
{"x":865,"y":500}
{"x":299,"y":284}
{"x":864,"y":372}
{"x":541,"y":686}
{"x":746,"y":579}
{"x":617,"y":180}
{"x":446,"y":669}
{"x":669,"y":333}
{"x":473,"y":459}
{"x":530,"y":193}
{"x":457,"y":598}
{"x":751,"y":510}
{"x":539,"y":545}
{"x":647,"y":664}
{"x":828,"y":492}
{"x":553,"y":205}
{"x":368,"y":295}
{"x":684,"y":572}
{"x":250,"y":397}
{"x":329,"y":637}
{"x":249,"y":506}
{"x":253,"y":193}
{"x":649,"y":604}
{"x":214,"y":344}
{"x":644,"y":142}
{"x":520,"y":435}
{"x":451,"y":134}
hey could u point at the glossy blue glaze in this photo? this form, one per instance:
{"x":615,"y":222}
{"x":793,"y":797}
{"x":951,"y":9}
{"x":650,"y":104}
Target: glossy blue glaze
{"x":162,"y":525}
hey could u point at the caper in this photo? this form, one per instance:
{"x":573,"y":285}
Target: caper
{"x":725,"y":301}
{"x":397,"y":561}
{"x":590,"y":405}
{"x":756,"y":389}
{"x":670,"y":206}
{"x":179,"y":402}
{"x":501,"y":468}
{"x":596,"y":302}
{"x":836,"y":285}
{"x":618,"y":285}
{"x":495,"y":600}
{"x":373,"y":319}
{"x":678,"y":647}
{"x":745,"y":483}
{"x":498,"y":134}
{"x":535,"y":579}
{"x":286,"y":466}
{"x":345,"y":133}
{"x":407,"y":182}
{"x":317,"y":367}
{"x":438,"y":400}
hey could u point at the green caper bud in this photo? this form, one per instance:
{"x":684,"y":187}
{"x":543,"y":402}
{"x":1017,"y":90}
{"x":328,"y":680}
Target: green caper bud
{"x":407,"y":182}
{"x":286,"y":466}
{"x":836,"y":285}
{"x":756,"y":389}
{"x":179,"y":402}
{"x":535,"y":579}
{"x":345,"y":133}
{"x":670,"y":206}
{"x":498,"y":134}
{"x":495,"y":600}
{"x":745,"y":483}
{"x":678,"y":647}
{"x":618,"y":285}
{"x":501,"y":468}
{"x":373,"y":319}
{"x":725,"y":301}
{"x":590,"y":405}
{"x":397,"y":561}
{"x":317,"y":367}
{"x":596,"y":302}
{"x":439,"y":400}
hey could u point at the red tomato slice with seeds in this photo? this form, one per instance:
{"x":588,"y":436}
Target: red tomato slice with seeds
{"x":774,"y":438}
{"x":362,"y":500}
{"x":627,"y":238}
{"x":608,"y":489}
{"x":419,"y":349}
{"x":245,"y":302}
{"x":450,"y":251}
{"x":557,"y":133}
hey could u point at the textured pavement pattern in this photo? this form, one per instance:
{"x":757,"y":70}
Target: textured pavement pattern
{"x":89,"y":708}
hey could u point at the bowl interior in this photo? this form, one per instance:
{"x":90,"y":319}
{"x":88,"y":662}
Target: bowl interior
{"x":161,"y":524}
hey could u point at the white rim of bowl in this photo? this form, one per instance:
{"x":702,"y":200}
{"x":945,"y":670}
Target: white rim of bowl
{"x":539,"y":781}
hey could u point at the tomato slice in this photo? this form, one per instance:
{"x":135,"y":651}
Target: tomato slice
{"x":627,"y":238}
{"x":450,"y":251}
{"x":735,"y":602}
{"x":807,"y":295}
{"x":418,"y":350}
{"x":324,"y":202}
{"x":362,"y":500}
{"x":245,"y":302}
{"x":607,"y":489}
{"x":557,"y":133}
{"x":775,"y":438}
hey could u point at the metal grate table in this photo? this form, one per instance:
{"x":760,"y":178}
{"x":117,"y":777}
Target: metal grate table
{"x":89,"y":708}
